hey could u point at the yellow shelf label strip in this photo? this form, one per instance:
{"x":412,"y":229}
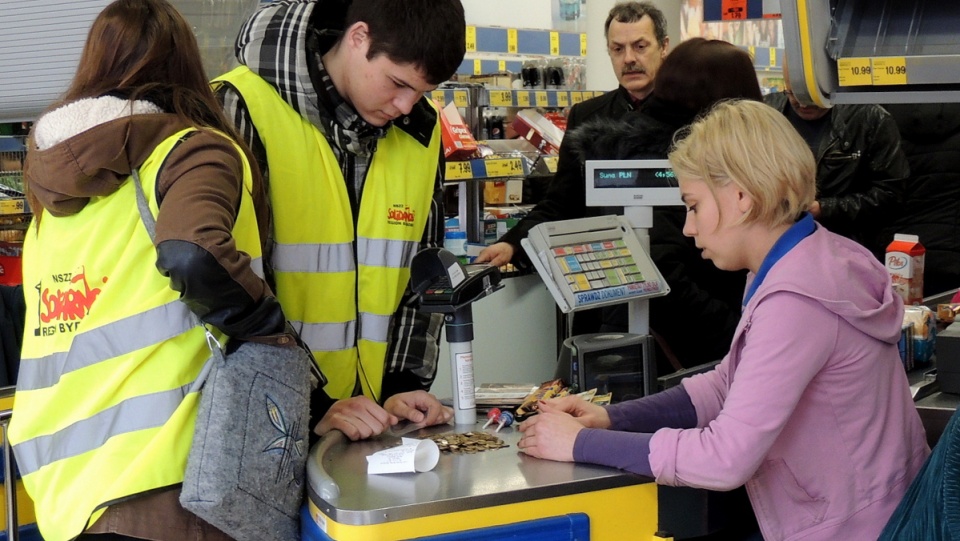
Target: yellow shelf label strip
{"x":854,"y":71}
{"x":458,"y":171}
{"x":889,"y":70}
{"x":504,"y":167}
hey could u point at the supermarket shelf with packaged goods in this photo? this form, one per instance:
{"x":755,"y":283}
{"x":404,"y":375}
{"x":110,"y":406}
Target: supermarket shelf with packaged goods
{"x":14,"y":211}
{"x":499,"y":161}
{"x":873,"y":52}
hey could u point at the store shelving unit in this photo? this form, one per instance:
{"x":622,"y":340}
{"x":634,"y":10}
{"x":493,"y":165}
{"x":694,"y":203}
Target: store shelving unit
{"x":496,"y":49}
{"x":873,"y":51}
{"x":14,"y":210}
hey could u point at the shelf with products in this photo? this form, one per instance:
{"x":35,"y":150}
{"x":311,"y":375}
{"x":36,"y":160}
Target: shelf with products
{"x":496,"y":180}
{"x":498,"y":97}
{"x":857,"y":51}
{"x":15,"y":213}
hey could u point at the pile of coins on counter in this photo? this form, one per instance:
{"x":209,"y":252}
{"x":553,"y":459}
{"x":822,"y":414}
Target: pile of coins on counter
{"x":468,"y":442}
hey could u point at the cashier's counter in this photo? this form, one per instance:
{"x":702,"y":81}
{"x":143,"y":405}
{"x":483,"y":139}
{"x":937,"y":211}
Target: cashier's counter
{"x":504,"y":494}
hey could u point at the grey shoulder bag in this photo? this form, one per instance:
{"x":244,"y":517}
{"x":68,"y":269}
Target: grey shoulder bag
{"x":246,"y":466}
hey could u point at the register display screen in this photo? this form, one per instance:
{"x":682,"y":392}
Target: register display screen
{"x":627,"y":183}
{"x":659,"y":177}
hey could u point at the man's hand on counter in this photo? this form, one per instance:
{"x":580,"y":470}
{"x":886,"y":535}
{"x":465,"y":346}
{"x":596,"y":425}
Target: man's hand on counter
{"x":418,"y":407}
{"x":361,"y":418}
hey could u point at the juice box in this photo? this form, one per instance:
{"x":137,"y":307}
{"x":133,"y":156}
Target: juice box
{"x":904,"y":261}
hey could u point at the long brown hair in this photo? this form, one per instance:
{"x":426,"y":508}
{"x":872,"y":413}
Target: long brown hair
{"x":146,"y":49}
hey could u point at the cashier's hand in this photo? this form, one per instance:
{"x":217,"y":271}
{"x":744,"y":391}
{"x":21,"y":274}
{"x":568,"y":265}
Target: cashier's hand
{"x":550,"y":435}
{"x":418,"y":407}
{"x":498,"y":254}
{"x":586,"y":413}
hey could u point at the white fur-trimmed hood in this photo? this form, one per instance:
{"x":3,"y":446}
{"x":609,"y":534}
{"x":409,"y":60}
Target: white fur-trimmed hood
{"x":81,"y":115}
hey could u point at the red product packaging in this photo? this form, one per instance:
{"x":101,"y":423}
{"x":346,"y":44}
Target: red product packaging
{"x":540,"y":131}
{"x":904,"y":261}
{"x":458,"y":142}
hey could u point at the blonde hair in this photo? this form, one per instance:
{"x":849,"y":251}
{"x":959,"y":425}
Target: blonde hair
{"x":754,"y":146}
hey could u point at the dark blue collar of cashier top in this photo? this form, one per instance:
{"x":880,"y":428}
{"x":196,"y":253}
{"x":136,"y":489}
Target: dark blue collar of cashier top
{"x":797,"y":232}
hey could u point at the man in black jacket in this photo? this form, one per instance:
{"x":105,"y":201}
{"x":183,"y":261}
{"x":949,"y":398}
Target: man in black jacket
{"x":637,"y":43}
{"x":861,"y":169}
{"x":930,"y":135}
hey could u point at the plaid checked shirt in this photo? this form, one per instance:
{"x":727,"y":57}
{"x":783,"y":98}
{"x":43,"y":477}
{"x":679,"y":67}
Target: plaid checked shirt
{"x":277,"y":44}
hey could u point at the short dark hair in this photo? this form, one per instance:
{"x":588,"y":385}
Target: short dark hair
{"x":700,"y":72}
{"x":429,"y":34}
{"x":631,"y":12}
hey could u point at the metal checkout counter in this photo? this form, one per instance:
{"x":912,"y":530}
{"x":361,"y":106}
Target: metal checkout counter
{"x":502,"y":493}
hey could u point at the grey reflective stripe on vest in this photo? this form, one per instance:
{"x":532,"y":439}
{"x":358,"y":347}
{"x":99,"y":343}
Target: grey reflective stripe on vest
{"x":327,"y":336}
{"x":133,"y":414}
{"x":341,"y":336}
{"x":374,"y":327}
{"x":313,"y":257}
{"x":256,"y":265}
{"x":395,"y":254}
{"x":106,"y":342}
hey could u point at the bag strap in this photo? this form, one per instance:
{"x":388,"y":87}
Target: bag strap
{"x":216,"y":349}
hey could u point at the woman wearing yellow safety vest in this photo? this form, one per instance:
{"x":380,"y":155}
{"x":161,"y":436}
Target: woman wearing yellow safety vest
{"x":104,"y":419}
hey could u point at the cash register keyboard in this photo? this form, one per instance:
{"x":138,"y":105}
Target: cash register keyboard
{"x":597,"y":265}
{"x":439,"y":292}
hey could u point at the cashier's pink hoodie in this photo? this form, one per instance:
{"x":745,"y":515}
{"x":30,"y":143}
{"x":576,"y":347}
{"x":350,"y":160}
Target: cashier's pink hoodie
{"x":811,"y":408}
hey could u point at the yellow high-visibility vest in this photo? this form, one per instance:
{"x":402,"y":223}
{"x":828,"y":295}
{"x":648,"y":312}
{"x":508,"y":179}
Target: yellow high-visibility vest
{"x":340,"y":285}
{"x":104,"y":408}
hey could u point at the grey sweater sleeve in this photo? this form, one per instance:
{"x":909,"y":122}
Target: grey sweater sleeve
{"x":627,"y":444}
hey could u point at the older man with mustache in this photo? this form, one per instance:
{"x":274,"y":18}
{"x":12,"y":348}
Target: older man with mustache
{"x":637,"y":43}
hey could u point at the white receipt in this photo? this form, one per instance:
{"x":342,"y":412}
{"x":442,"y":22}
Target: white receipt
{"x":412,"y":455}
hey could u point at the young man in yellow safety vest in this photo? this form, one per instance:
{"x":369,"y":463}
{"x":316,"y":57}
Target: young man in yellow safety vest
{"x":330,"y":97}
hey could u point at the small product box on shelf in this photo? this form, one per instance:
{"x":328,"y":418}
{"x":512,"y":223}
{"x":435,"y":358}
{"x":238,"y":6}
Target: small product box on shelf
{"x":458,"y":142}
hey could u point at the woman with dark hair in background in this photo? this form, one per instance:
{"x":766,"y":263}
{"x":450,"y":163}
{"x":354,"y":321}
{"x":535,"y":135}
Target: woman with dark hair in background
{"x":105,"y":400}
{"x":695,"y":322}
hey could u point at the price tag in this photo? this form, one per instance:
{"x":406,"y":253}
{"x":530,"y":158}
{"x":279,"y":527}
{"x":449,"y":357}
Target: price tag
{"x":753,"y":53}
{"x":551,"y":163}
{"x":563,"y":99}
{"x":554,"y":43}
{"x":471,"y":35}
{"x":458,"y":171}
{"x":523,"y":99}
{"x":477,"y":66}
{"x":460,"y":98}
{"x":773,"y":57}
{"x":576,"y":97}
{"x":889,"y":70}
{"x":587,"y":95}
{"x":501,"y":65}
{"x":501,"y":98}
{"x":733,"y":10}
{"x":542,"y":99}
{"x":854,"y":71}
{"x":583,"y":45}
{"x":512,"y":40}
{"x":509,"y":167}
{"x":12,"y":206}
{"x":440,"y":97}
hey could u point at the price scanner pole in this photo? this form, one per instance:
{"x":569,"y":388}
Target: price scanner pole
{"x":641,"y":220}
{"x":448,"y":287}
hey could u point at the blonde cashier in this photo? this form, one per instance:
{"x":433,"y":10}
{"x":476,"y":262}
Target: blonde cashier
{"x":819,"y":424}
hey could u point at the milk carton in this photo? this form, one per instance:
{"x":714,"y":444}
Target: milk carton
{"x":905,"y":264}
